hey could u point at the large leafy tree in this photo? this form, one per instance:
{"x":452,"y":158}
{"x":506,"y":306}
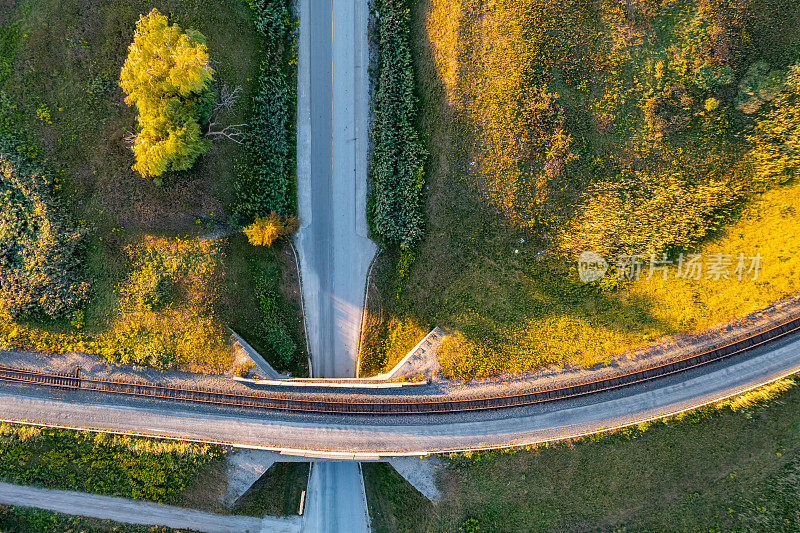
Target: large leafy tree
{"x":167,"y":76}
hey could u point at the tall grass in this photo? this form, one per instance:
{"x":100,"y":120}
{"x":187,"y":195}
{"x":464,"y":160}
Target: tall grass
{"x":596,"y":326}
{"x":490,"y":267}
{"x":141,"y":468}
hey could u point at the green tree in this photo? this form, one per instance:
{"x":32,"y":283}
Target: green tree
{"x":167,"y":75}
{"x":776,"y":151}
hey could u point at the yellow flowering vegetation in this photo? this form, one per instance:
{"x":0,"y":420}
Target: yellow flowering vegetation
{"x":619,"y":127}
{"x":495,"y":62}
{"x":599,"y":326}
{"x":264,"y":230}
{"x":165,"y":316}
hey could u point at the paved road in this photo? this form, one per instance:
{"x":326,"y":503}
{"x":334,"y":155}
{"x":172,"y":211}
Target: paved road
{"x":138,"y":512}
{"x":336,"y":500}
{"x":404,"y":434}
{"x":332,"y":243}
{"x":332,"y":178}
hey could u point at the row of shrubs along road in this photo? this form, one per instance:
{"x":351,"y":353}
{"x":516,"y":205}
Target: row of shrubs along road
{"x":267,"y":182}
{"x":395,"y":203}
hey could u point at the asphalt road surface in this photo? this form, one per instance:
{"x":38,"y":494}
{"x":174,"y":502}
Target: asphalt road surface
{"x":335,"y":253}
{"x":336,"y":500}
{"x":332,"y":242}
{"x":361,"y":436}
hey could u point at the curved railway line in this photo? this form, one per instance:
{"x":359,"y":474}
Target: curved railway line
{"x":293,"y":403}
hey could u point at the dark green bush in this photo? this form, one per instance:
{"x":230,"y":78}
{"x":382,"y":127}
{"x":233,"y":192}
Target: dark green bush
{"x":396,"y":169}
{"x":272,"y":17}
{"x":276,"y":335}
{"x":267,"y":182}
{"x":40,"y":254}
{"x":160,"y":293}
{"x":280,"y":342}
{"x":266,"y":300}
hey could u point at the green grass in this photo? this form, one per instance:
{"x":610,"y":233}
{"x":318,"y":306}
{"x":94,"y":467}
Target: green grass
{"x":65,"y":57}
{"x":32,"y":520}
{"x":141,"y":468}
{"x":707,"y":471}
{"x":245,"y":265}
{"x":394,"y":504}
{"x":520,"y":307}
{"x":387,"y":338}
{"x":68,"y":57}
{"x":276,"y":493}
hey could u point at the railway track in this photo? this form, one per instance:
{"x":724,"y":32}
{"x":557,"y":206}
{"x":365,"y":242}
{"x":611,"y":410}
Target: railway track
{"x":283,"y":402}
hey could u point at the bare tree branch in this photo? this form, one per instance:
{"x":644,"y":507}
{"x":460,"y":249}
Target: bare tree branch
{"x":130,"y":138}
{"x":233,"y":133}
{"x":226,"y":100}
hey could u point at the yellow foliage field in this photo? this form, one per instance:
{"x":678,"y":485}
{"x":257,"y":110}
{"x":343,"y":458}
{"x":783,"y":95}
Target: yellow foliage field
{"x":165,"y":316}
{"x":589,"y":334}
{"x":538,"y":108}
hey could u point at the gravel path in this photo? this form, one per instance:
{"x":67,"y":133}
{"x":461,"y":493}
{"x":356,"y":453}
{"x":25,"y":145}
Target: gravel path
{"x":136,"y":512}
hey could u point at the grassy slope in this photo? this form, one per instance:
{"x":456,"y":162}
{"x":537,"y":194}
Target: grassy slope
{"x":63,"y":48}
{"x":176,"y":473}
{"x":708,"y":472}
{"x":276,"y":493}
{"x":387,"y":338}
{"x":32,"y":520}
{"x":525,"y":312}
{"x":147,"y":469}
{"x":238,"y":307}
{"x":66,"y":55}
{"x":394,"y":504}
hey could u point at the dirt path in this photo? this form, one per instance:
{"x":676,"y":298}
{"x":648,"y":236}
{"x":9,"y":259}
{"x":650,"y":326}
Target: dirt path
{"x":136,"y":512}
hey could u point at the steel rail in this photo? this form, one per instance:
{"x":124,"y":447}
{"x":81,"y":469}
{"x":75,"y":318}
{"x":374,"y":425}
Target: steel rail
{"x":296,"y":403}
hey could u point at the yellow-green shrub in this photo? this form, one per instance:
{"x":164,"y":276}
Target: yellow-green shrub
{"x":166,"y":314}
{"x":148,"y":469}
